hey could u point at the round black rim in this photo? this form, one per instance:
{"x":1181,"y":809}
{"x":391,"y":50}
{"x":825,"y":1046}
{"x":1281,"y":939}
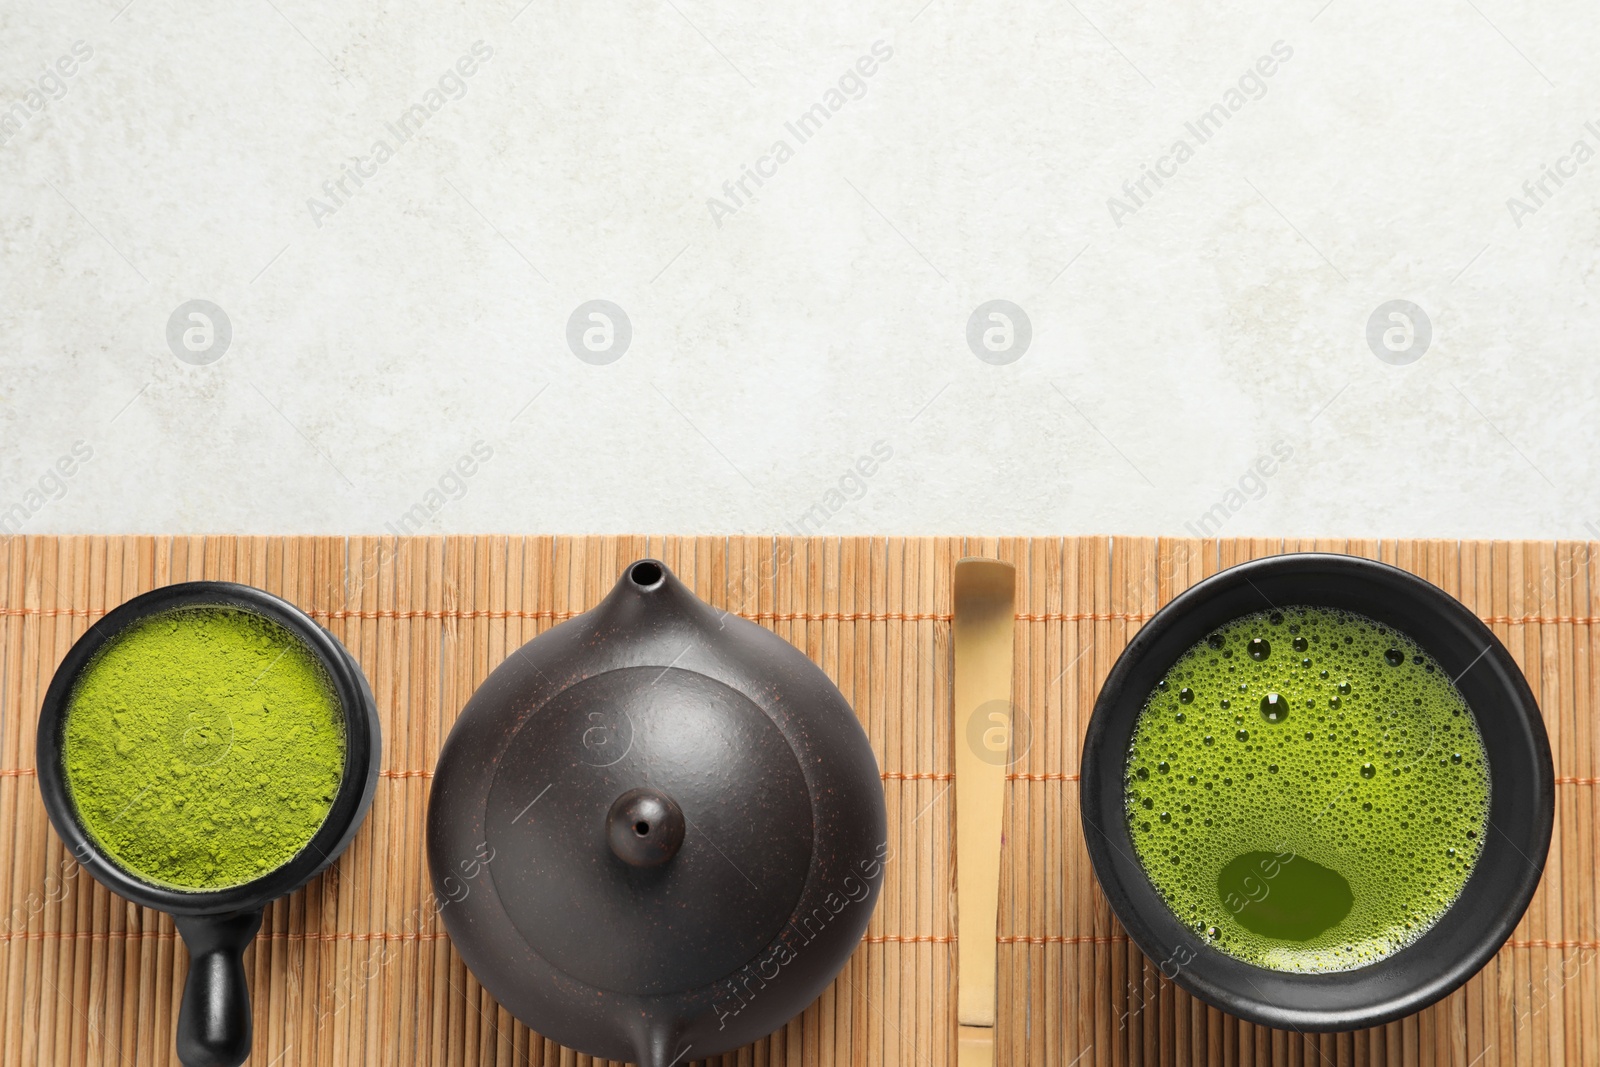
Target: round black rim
{"x":351,"y":801}
{"x":1522,"y":796}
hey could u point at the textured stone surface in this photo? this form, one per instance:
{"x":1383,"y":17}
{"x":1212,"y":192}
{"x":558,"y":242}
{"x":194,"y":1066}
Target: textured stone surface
{"x":774,"y":342}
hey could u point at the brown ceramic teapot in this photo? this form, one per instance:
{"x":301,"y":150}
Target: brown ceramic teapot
{"x":657,"y":831}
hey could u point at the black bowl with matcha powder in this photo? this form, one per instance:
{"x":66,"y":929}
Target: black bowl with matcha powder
{"x":1317,"y":792}
{"x":205,"y":749}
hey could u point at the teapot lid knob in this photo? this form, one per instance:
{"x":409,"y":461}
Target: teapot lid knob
{"x":644,"y":827}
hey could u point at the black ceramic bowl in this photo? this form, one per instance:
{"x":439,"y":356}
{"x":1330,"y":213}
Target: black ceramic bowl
{"x":217,"y":925}
{"x":1521,"y":797}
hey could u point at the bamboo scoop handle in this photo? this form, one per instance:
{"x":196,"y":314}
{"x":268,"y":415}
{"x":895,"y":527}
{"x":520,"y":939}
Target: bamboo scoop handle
{"x":981,"y":636}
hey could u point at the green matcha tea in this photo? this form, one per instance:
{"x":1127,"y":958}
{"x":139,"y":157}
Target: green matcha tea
{"x":1307,"y":790}
{"x":203,"y":747}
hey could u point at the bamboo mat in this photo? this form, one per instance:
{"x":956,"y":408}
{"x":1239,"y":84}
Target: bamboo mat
{"x":356,"y":969}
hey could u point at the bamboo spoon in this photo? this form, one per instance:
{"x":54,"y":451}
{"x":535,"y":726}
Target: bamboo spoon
{"x":985,"y":613}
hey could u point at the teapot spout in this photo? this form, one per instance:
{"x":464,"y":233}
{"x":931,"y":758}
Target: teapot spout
{"x":646,"y":574}
{"x":658,"y":1042}
{"x":648,"y":597}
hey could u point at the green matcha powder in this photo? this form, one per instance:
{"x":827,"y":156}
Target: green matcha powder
{"x":1307,"y":790}
{"x":203,"y":747}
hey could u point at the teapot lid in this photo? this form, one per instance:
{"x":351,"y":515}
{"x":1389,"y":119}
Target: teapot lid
{"x":659,"y":825}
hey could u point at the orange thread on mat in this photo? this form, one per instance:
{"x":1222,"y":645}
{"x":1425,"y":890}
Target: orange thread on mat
{"x":888,"y":776}
{"x":1542,"y":620}
{"x":1117,"y":939}
{"x":88,"y":935}
{"x":441,"y":613}
{"x":168,"y":935}
{"x":1083,"y":616}
{"x":1539,"y":942}
{"x":379,"y":935}
{"x":758,"y":616}
{"x":551,"y":615}
{"x":891,"y":776}
{"x":1062,"y":939}
{"x":50,"y":613}
{"x":873,"y":939}
{"x":848,"y":616}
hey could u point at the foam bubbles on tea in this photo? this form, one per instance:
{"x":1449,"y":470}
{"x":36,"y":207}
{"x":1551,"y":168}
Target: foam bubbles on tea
{"x":1329,"y":828}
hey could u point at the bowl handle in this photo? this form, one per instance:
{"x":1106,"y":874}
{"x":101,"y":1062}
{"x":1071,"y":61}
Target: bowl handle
{"x":214,"y":1021}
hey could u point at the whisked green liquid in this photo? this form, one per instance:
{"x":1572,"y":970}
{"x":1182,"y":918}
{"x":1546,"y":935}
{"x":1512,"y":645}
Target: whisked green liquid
{"x":1307,"y":790}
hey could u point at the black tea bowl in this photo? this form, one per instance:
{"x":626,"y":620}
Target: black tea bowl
{"x":214,"y":1018}
{"x":1521,"y":796}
